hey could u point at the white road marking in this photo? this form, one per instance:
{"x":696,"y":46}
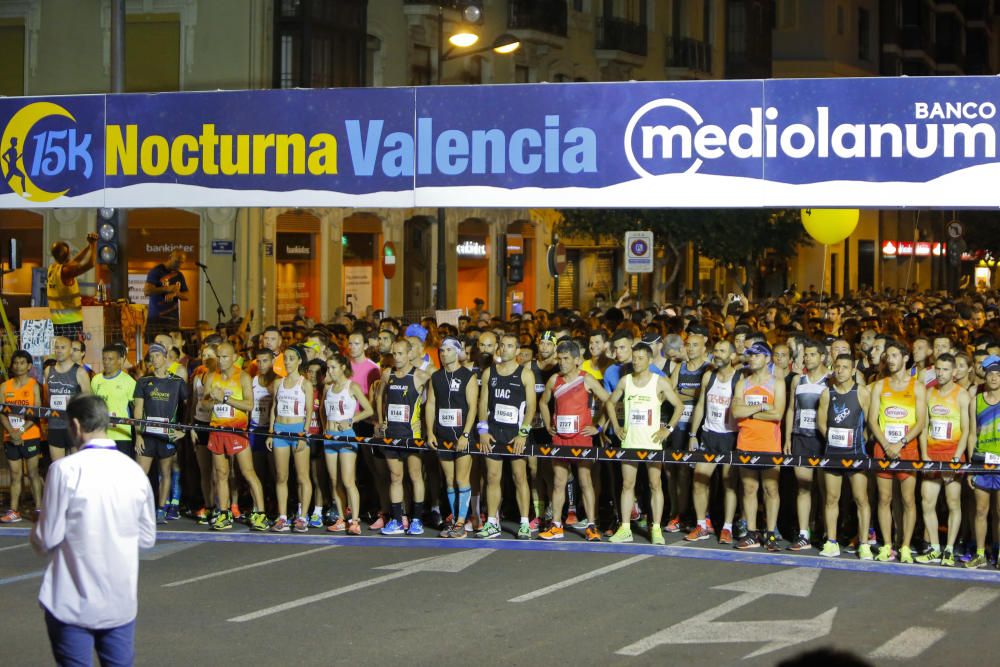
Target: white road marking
{"x":241,"y":568}
{"x":908,"y":644}
{"x":16,"y":546}
{"x":164,"y":549}
{"x":581,"y":578}
{"x":970,"y":600}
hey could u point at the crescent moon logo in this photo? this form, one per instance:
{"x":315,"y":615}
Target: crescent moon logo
{"x":12,"y":150}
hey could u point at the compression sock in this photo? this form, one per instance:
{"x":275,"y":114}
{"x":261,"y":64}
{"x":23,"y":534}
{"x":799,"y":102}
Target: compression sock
{"x":462,"y":511}
{"x":175,"y":487}
{"x":418,"y":510}
{"x":451,"y":502}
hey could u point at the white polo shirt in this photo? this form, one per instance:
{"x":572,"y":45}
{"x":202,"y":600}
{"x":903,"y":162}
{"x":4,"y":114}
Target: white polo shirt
{"x":97,"y":512}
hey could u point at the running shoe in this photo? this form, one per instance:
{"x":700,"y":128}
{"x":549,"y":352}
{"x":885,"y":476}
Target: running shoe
{"x":708,"y":525}
{"x":852,"y":546}
{"x":741,"y":529}
{"x":446,"y":531}
{"x":933,"y":557}
{"x":580,"y":524}
{"x":777,"y":534}
{"x":750,"y":541}
{"x":976,"y":562}
{"x":656,"y":535}
{"x":331,"y":517}
{"x":489,"y":531}
{"x":457,"y":532}
{"x":674,"y":525}
{"x":905,"y":555}
{"x":223,"y":521}
{"x":553,"y":533}
{"x":591,"y":534}
{"x":161,"y":516}
{"x":354,"y":528}
{"x":623,"y":534}
{"x":948,"y":558}
{"x":884,"y":554}
{"x":280,"y":525}
{"x":315,"y":520}
{"x":925,"y":550}
{"x":394,"y":527}
{"x":726,"y":536}
{"x":571,"y":519}
{"x":535,"y":524}
{"x":258,"y":521}
{"x":802,"y":544}
{"x":636,"y":514}
{"x":698,"y":534}
{"x":872,"y":537}
{"x":338,"y":526}
{"x":300,"y":524}
{"x":212,"y":516}
{"x":830,"y":550}
{"x":202,"y":516}
{"x":378,"y":524}
{"x":435,"y":518}
{"x":235,"y":510}
{"x":524,"y":532}
{"x":406,"y":523}
{"x":771,"y":542}
{"x":865,"y":552}
{"x":173,"y":512}
{"x":416,"y":527}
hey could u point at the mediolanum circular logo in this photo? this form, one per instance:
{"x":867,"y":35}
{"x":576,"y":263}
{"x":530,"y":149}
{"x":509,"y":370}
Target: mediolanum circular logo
{"x":657,"y":138}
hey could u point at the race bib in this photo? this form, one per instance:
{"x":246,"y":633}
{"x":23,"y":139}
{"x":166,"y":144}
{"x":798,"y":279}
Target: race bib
{"x":640,"y":417}
{"x":807,"y":419}
{"x":398,"y":413}
{"x":223,"y":411}
{"x":450,"y":418}
{"x":941,"y":429}
{"x":567,"y":424}
{"x":686,"y":414}
{"x":716,"y":414}
{"x":841,"y":438}
{"x":58,"y":402}
{"x":506,"y":414}
{"x":539,"y":388}
{"x":753,"y":400}
{"x":15,"y":421}
{"x":288,"y":408}
{"x":156,"y":430}
{"x":895,"y":432}
{"x":992,"y":459}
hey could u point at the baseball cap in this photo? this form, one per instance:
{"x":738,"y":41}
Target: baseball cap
{"x":652,"y":338}
{"x":991,"y":363}
{"x":418,"y":331}
{"x":759,"y":348}
{"x":156,"y":347}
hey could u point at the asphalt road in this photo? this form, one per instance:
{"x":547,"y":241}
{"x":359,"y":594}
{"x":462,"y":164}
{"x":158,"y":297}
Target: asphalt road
{"x":244,"y":598}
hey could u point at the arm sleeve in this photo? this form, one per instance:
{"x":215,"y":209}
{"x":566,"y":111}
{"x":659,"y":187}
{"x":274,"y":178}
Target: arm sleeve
{"x":50,"y":530}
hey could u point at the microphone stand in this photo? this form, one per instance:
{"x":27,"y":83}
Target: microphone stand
{"x":220,"y":311}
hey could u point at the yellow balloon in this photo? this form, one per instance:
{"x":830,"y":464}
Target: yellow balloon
{"x":830,"y":225}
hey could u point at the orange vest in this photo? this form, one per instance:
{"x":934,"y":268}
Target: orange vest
{"x":21,"y":396}
{"x":757,"y":435}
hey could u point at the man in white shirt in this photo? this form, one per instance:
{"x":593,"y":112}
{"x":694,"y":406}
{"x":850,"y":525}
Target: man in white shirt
{"x":98,"y":512}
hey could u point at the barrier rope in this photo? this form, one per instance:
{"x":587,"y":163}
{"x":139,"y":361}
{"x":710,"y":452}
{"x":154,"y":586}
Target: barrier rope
{"x":600,"y":453}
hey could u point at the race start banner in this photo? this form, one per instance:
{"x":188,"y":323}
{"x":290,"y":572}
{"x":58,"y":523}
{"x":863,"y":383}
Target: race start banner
{"x":872,"y":142}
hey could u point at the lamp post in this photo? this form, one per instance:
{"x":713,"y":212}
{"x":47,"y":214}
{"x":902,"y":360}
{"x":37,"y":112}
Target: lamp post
{"x":503,"y":44}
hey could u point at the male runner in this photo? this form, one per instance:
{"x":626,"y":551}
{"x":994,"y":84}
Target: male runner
{"x":158,"y":398}
{"x":686,"y":380}
{"x":840,"y":419}
{"x":985,"y":448}
{"x":63,"y":382}
{"x":540,"y":470}
{"x":571,"y":425}
{"x":451,"y":413}
{"x":945,"y":439}
{"x":896,"y":418}
{"x":801,"y":436}
{"x":507,"y":406}
{"x":643,"y":395}
{"x":22,"y":434}
{"x":117,"y":388}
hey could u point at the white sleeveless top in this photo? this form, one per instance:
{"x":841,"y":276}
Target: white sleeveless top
{"x":291,"y":401}
{"x":340,"y":405}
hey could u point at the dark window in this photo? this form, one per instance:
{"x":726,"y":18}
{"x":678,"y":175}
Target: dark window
{"x":864,"y":34}
{"x":320,"y":44}
{"x":521,"y":74}
{"x":420,"y":72}
{"x":866,"y":264}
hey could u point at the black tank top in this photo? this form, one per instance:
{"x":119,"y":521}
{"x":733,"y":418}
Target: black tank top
{"x":506,"y":403}
{"x":688,"y":389}
{"x":403,"y":413}
{"x":450,"y":403}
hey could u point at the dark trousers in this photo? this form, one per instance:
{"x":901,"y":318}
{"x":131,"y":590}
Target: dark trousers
{"x":73,"y":645}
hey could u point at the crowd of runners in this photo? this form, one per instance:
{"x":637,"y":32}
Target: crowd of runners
{"x":290,"y":423}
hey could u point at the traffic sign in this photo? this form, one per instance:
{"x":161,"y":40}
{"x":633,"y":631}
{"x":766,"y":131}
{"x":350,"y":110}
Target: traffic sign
{"x":556,"y":260}
{"x":388,"y":260}
{"x":955,"y":229}
{"x":638,"y":252}
{"x":222,"y":247}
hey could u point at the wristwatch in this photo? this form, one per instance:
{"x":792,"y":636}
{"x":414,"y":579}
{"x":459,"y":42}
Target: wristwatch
{"x":465,"y":435}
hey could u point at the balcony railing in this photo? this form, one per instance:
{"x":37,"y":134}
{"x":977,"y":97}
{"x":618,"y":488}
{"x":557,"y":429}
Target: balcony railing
{"x":688,"y":53}
{"x":614,"y":34}
{"x":542,"y":15}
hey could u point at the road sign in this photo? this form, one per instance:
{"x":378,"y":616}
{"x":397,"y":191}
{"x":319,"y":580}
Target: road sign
{"x":556,"y":260}
{"x":222,"y":247}
{"x":955,"y":229}
{"x":775,"y":635}
{"x":638,"y":252}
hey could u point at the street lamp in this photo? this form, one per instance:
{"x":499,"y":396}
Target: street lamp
{"x":462,"y":39}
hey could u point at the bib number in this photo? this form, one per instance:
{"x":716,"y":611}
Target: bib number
{"x":567,"y":424}
{"x":686,"y":414}
{"x":841,"y":438}
{"x":156,"y":430}
{"x":640,"y":417}
{"x":754,"y":400}
{"x":399,"y":414}
{"x":15,"y":421}
{"x":450,"y":418}
{"x":506,"y":414}
{"x":288,"y":408}
{"x":992,"y":459}
{"x":716,"y":415}
{"x":539,"y":389}
{"x":223,"y":411}
{"x":59,"y":402}
{"x":895,"y":432}
{"x":807,"y":419}
{"x":940,"y":429}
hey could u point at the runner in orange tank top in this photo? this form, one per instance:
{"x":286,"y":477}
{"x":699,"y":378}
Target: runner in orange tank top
{"x":21,"y":434}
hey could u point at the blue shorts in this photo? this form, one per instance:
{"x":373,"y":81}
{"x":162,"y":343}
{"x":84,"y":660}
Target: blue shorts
{"x":299,"y":427}
{"x":336,"y":446}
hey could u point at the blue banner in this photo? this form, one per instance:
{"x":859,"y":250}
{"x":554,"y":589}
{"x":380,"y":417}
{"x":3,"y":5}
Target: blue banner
{"x":876,"y":142}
